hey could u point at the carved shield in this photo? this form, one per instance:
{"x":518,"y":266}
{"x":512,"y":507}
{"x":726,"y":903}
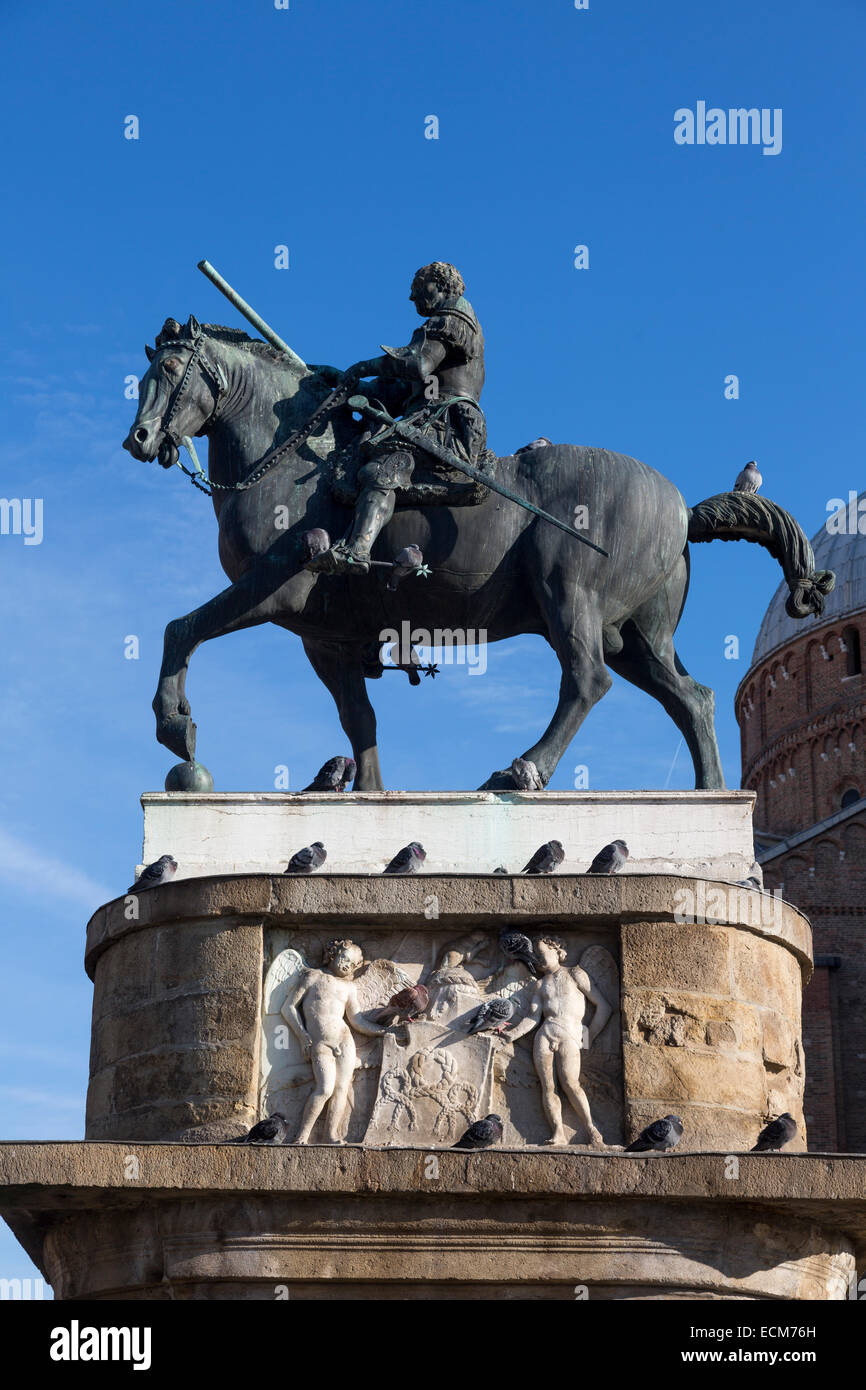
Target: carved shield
{"x":431,"y":1090}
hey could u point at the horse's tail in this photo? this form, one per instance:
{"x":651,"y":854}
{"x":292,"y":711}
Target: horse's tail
{"x":743,"y":516}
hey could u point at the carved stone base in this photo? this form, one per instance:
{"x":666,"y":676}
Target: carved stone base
{"x":189,"y":1041}
{"x":166,"y":1221}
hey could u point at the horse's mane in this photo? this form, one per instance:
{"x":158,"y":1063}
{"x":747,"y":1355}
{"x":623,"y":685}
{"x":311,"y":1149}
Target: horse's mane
{"x":173,"y":331}
{"x":236,"y":337}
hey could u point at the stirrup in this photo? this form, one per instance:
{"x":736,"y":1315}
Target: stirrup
{"x":340,"y":559}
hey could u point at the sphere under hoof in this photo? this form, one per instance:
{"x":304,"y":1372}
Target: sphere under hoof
{"x":189,"y":777}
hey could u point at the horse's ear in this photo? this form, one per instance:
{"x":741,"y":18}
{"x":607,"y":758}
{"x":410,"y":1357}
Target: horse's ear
{"x":169,"y":332}
{"x":193,"y":327}
{"x":151,"y":352}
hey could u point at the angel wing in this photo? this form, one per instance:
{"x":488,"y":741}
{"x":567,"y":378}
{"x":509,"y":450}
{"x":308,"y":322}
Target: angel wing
{"x":283,"y":1063}
{"x":378,"y":982}
{"x":598,"y":963}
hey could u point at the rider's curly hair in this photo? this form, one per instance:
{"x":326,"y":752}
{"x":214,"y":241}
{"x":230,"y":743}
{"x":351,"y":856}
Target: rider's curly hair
{"x":447,"y":277}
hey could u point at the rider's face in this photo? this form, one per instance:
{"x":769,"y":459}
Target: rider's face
{"x":426,"y":295}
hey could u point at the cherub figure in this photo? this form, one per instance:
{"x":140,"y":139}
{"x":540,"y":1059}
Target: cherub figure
{"x":321,"y":1008}
{"x":556,"y":1007}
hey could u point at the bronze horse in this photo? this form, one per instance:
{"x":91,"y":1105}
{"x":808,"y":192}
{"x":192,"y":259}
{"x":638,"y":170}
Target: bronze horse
{"x":495,"y":566}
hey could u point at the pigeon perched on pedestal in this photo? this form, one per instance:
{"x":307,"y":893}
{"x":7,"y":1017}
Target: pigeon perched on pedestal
{"x":333,"y":776}
{"x":273,"y":1130}
{"x":526,"y":775}
{"x":481,"y":1134}
{"x":308,"y":860}
{"x":776,"y":1134}
{"x":405,"y":1005}
{"x":749,"y":883}
{"x":519,"y":947}
{"x":545,"y":859}
{"x":493,"y":1016}
{"x":408,"y":860}
{"x":610,"y":859}
{"x":405,"y":561}
{"x":500,"y":870}
{"x":660,"y":1136}
{"x":162,"y":870}
{"x":749,"y":479}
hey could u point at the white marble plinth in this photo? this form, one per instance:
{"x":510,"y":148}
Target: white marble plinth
{"x":705,"y":834}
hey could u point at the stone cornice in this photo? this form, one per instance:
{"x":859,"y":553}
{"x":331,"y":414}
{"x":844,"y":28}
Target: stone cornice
{"x":403,"y":903}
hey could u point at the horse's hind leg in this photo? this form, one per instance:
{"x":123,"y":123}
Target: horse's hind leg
{"x":649,"y":661}
{"x":247,"y":603}
{"x":576,"y":637}
{"x":341,"y":670}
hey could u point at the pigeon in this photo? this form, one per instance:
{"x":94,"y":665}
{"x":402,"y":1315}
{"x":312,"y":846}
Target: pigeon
{"x":776,"y":1134}
{"x":749,"y":479}
{"x":519,"y":947}
{"x":334,"y":776}
{"x":495,"y":1015}
{"x":481,"y":1134}
{"x":542,"y":442}
{"x":500,"y":870}
{"x":545,"y":858}
{"x":405,"y":1005}
{"x":273,"y":1130}
{"x":610,"y":859}
{"x":408,"y":860}
{"x":161,"y":871}
{"x":308,"y":860}
{"x":407,"y":560}
{"x":661,"y":1135}
{"x":314,"y":543}
{"x":526,"y":775}
{"x":749,"y":883}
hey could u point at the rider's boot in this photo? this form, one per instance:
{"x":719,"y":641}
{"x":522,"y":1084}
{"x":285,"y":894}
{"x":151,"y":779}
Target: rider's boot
{"x":351,"y":555}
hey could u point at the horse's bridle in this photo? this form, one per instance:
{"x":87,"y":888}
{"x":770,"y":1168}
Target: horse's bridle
{"x":216,"y":380}
{"x":210,"y":373}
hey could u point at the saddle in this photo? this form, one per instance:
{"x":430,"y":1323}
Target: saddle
{"x":430,"y":486}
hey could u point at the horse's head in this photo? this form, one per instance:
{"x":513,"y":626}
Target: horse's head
{"x":178,"y":393}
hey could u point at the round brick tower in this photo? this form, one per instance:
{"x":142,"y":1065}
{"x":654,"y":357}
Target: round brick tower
{"x":801,"y":709}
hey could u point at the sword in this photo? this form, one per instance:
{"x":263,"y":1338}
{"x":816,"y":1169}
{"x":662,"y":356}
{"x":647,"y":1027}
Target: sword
{"x":415,"y":436}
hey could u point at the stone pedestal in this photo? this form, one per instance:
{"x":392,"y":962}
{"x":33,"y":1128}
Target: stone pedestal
{"x":167,"y":1221}
{"x":706,"y":834}
{"x":705,"y":1023}
{"x":660,"y":992}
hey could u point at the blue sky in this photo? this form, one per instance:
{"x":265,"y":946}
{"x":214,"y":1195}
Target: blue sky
{"x":261,"y":127}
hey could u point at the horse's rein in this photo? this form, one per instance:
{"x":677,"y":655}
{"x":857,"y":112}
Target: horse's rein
{"x":199,"y":477}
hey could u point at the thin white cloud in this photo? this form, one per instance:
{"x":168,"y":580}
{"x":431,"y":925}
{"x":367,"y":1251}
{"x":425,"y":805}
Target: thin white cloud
{"x":25,"y":1095}
{"x":40,"y":875}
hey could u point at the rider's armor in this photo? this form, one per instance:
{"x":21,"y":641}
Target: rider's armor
{"x":445,"y":407}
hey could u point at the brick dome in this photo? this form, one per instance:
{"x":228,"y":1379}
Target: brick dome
{"x":801,"y":709}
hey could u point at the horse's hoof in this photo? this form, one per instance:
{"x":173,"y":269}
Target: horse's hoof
{"x":189,"y":777}
{"x":500,"y":782}
{"x":178,"y":736}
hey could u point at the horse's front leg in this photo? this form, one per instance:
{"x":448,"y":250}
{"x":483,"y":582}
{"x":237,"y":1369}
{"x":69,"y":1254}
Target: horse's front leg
{"x":340,"y":668}
{"x":246,"y":603}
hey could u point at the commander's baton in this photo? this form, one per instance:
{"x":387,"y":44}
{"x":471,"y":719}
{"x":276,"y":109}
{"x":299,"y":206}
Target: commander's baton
{"x":430,"y":446}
